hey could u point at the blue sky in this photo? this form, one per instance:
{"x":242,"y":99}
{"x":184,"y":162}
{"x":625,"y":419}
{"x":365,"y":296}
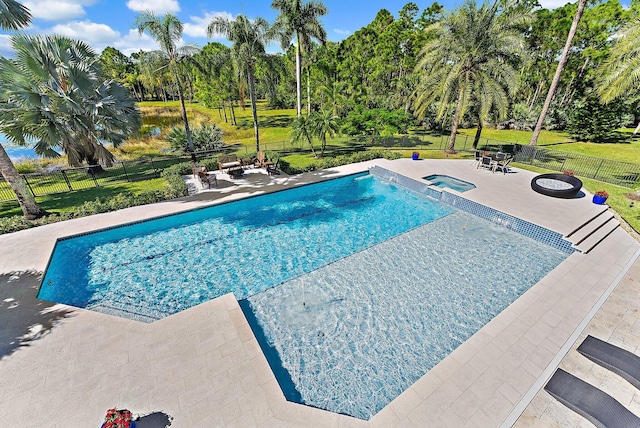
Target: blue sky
{"x":104,"y":23}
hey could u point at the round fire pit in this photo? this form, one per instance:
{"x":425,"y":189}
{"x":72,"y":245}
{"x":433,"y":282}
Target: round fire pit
{"x":557,"y":185}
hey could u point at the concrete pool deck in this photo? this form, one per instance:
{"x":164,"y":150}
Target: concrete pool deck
{"x":63,"y":366}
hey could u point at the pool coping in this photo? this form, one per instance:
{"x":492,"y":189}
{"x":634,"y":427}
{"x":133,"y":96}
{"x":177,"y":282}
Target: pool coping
{"x":481,"y":381}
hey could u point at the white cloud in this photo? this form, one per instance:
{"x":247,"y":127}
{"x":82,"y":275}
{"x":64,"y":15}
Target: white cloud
{"x":158,"y":6}
{"x":5,"y":46}
{"x":134,"y":42}
{"x":552,"y":4}
{"x":198,"y":25}
{"x":57,"y":10}
{"x":96,"y":35}
{"x":342,"y":32}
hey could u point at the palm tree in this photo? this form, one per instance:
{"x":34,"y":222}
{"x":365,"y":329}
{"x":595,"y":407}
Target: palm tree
{"x":299,"y":20}
{"x":54,"y":93}
{"x":322,"y":123}
{"x":167,"y":32}
{"x":301,"y":127}
{"x":470,"y":55}
{"x":248,"y":40}
{"x":556,"y":77}
{"x":14,"y":16}
{"x":619,"y":74}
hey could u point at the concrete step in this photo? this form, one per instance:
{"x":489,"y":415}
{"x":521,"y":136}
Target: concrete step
{"x":596,"y":223}
{"x":604,"y":209}
{"x":598,"y":236}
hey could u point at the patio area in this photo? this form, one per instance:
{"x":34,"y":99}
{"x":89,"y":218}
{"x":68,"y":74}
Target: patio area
{"x":64,"y":366}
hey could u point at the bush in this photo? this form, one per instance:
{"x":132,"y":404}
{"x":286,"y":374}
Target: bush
{"x":340,"y":160}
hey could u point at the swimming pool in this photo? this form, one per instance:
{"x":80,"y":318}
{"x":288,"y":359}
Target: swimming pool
{"x":448,"y":182}
{"x":355,"y":287}
{"x":156,"y":268}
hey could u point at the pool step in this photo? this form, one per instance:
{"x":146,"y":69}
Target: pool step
{"x":598,"y":235}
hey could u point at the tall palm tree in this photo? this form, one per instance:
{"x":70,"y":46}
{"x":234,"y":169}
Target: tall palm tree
{"x":167,"y":32}
{"x":14,"y":16}
{"x":322,"y":123}
{"x":556,"y":77}
{"x":470,"y":55}
{"x":300,"y":20}
{"x":248,"y":40}
{"x":620,"y":74}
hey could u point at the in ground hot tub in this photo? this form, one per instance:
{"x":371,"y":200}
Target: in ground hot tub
{"x":557,"y":185}
{"x":445,"y":181}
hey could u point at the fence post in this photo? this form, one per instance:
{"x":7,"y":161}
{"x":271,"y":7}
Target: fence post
{"x":598,"y":169}
{"x":125,"y":171}
{"x":28,"y":185}
{"x":93,"y":175}
{"x":64,"y":175}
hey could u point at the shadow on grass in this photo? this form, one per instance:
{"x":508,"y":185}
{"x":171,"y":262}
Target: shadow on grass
{"x":276,"y":121}
{"x":23,"y":317}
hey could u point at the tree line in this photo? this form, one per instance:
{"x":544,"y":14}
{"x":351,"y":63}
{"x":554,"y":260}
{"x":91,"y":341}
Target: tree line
{"x":507,"y":64}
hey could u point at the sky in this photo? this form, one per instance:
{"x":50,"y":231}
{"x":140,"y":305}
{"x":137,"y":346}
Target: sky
{"x":103,"y":23}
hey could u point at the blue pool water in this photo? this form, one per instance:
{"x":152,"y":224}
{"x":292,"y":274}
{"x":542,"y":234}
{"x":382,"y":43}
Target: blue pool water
{"x":154,"y":269}
{"x":445,"y":181}
{"x":351,"y":336}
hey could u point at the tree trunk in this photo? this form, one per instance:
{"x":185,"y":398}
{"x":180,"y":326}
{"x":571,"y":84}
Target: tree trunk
{"x":187,"y":130}
{"x":308,"y":90}
{"x":298,"y":77}
{"x":233,"y":113}
{"x":30,"y":208}
{"x":254,"y":108}
{"x":535,"y":96}
{"x":324,"y":144}
{"x":556,"y":77}
{"x":454,"y":125}
{"x":476,"y":140}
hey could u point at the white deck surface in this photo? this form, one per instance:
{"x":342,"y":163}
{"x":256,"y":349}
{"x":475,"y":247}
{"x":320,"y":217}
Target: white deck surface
{"x":64,"y":367}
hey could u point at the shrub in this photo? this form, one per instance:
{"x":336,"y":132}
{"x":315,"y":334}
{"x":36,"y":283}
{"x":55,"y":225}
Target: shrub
{"x":340,"y":160}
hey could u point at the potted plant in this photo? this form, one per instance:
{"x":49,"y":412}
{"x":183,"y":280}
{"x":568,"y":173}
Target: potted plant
{"x":415,"y":155}
{"x":118,"y":419}
{"x":567,"y":172}
{"x":600,"y":197}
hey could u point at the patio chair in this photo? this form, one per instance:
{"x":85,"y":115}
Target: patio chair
{"x":503,"y":165}
{"x":272,"y":169}
{"x":620,"y":361}
{"x":260,"y":160}
{"x":596,"y":406}
{"x":485,"y":162}
{"x":208,"y":180}
{"x":197,"y":169}
{"x":478,"y":156}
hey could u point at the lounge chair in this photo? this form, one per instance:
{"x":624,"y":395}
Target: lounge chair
{"x":208,"y":180}
{"x":621,"y":362}
{"x":227,"y":161}
{"x":599,"y":408}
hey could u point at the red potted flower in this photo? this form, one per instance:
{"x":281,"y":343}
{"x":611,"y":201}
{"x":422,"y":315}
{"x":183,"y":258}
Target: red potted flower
{"x":118,"y":419}
{"x":600,"y":197}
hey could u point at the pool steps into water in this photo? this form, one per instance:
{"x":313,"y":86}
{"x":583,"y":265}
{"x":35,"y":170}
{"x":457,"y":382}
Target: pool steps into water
{"x":591,"y":233}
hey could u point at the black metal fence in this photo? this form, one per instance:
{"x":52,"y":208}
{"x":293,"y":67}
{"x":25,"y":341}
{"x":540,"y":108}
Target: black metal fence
{"x":69,"y":179}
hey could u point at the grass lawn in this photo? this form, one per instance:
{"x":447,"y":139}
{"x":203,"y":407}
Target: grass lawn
{"x":66,"y":202}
